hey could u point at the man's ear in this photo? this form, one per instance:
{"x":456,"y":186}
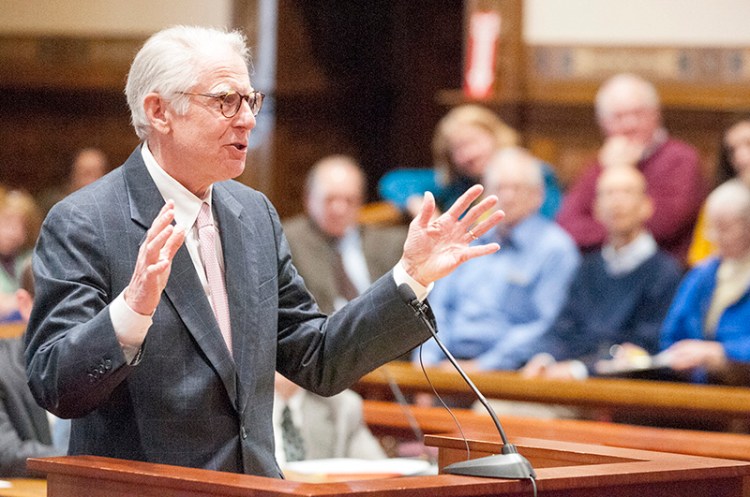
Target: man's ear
{"x":157,"y":113}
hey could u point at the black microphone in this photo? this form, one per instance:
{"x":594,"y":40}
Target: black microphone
{"x":509,"y":464}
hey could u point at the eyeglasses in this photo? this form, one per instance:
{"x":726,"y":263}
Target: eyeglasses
{"x":231,"y":101}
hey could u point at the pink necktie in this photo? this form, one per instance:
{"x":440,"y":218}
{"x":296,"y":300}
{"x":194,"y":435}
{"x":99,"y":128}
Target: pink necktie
{"x":216,"y":287}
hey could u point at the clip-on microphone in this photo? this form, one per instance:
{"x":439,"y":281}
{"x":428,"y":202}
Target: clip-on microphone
{"x":509,"y":464}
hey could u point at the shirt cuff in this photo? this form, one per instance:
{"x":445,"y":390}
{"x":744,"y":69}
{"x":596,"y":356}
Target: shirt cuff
{"x":130,"y":327}
{"x":401,"y":276}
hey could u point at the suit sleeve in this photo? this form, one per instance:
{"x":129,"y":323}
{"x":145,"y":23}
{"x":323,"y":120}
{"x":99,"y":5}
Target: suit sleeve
{"x":74,"y":360}
{"x":327,"y":354}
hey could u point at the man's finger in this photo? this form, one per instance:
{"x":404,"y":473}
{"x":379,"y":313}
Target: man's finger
{"x":479,"y":251}
{"x":479,"y":210}
{"x":464,"y":201}
{"x":426,"y":211}
{"x":164,"y":219}
{"x":173,"y":243}
{"x":487,"y":224}
{"x":155,"y":246}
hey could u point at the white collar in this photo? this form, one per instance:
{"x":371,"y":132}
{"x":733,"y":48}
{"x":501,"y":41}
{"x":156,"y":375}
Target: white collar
{"x":187,"y":205}
{"x":627,"y":258}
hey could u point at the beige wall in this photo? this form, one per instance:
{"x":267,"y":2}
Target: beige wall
{"x":108,"y":17}
{"x":706,"y":23}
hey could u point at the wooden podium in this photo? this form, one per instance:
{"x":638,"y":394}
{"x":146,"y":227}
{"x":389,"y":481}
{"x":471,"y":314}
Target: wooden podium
{"x":563,"y":470}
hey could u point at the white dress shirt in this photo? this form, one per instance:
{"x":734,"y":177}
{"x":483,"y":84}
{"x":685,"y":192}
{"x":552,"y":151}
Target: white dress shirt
{"x":131,"y":327}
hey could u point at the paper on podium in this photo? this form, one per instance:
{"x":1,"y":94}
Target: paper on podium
{"x":5,"y":484}
{"x":343,"y":469}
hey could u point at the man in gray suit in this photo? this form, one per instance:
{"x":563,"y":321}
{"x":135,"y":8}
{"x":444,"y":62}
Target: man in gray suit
{"x":328,"y":427}
{"x":166,"y":293}
{"x":336,"y":256}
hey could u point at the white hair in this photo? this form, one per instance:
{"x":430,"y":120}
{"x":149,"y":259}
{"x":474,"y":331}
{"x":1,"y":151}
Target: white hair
{"x":628,"y":82}
{"x":513,"y":158}
{"x":170,"y":62}
{"x":732,"y":196}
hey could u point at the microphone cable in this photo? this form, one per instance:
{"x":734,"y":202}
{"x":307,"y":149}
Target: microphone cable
{"x":455,"y":419}
{"x":509,"y":463}
{"x":445,"y":406}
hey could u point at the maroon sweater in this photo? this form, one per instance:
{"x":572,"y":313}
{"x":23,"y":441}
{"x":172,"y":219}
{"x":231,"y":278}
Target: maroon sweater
{"x":675,"y":183}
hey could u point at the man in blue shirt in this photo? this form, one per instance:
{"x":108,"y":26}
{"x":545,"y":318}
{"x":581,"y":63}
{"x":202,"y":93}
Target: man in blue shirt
{"x":491,"y":312}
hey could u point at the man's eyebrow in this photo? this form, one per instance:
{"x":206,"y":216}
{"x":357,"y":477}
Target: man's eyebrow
{"x":222,"y":88}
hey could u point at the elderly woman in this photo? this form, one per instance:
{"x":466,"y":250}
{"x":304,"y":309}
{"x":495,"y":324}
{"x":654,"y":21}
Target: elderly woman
{"x":706,"y":331}
{"x":734,"y":162}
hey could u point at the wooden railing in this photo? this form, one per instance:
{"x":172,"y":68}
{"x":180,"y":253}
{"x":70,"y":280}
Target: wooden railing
{"x":389,"y":418}
{"x":11,"y":330}
{"x":609,"y":397}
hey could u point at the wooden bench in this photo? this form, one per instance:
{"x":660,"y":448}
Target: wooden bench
{"x":610,"y":398}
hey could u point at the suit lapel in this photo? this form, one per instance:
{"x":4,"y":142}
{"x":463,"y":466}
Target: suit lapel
{"x":183,"y":290}
{"x":239,"y":241}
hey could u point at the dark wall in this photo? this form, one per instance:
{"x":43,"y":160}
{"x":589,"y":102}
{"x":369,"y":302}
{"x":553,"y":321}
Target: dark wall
{"x":379,"y":66}
{"x":356,"y":77}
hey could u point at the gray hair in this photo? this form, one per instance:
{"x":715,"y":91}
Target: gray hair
{"x":630,"y":81}
{"x":170,"y":62}
{"x":731,"y":196}
{"x":329,"y":161}
{"x":514,"y":158}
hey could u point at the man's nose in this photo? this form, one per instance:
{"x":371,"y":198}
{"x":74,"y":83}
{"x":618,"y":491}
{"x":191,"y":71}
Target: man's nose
{"x":245,"y":117}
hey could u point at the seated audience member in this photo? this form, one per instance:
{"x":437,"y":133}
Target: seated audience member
{"x":628,"y":112}
{"x":337,"y":257}
{"x":19,"y":228}
{"x":463,"y":141}
{"x":706,"y":334}
{"x":491,"y":313}
{"x":308,"y":426}
{"x":24,"y":426}
{"x":88,"y":165}
{"x":621,"y":292}
{"x":734,"y":161}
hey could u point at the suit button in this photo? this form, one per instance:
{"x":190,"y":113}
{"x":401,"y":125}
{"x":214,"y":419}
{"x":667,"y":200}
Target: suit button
{"x":107,"y":364}
{"x":243,"y":432}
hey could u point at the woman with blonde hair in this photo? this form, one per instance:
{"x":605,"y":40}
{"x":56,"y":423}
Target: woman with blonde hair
{"x":463,"y":141}
{"x":20,"y":221}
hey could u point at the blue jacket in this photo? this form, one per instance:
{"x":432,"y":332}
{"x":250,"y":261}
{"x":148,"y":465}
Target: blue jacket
{"x":690,"y":306}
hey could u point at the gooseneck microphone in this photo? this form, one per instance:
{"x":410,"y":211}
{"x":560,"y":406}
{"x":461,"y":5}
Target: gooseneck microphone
{"x":509,"y":464}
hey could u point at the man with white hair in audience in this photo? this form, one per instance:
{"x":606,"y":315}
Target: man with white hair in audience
{"x":491,"y":312}
{"x":629,"y":114}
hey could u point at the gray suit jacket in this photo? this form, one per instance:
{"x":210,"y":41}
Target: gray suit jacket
{"x":24,"y":428}
{"x":334,"y":427}
{"x":188,"y":402}
{"x":313,"y":255}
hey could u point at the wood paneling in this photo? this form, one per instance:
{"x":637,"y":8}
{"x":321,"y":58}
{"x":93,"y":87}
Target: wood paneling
{"x":365,"y":80}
